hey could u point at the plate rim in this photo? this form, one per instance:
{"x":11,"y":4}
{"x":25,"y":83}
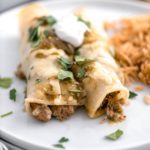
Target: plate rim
{"x":126,"y":2}
{"x":28,"y":144}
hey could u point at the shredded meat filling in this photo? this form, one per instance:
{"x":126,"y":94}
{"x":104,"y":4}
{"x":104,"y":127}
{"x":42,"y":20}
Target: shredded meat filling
{"x":44,"y":113}
{"x":113,"y":107}
{"x":62,"y":112}
{"x":41,"y":112}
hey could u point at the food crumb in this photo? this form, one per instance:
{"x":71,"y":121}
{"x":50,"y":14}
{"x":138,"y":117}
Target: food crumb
{"x":139,"y":88}
{"x":103,"y":120}
{"x":147,"y":99}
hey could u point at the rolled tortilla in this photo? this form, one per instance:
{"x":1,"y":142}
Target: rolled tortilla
{"x":46,"y":95}
{"x":28,"y":14}
{"x":40,"y":67}
{"x":105,"y":92}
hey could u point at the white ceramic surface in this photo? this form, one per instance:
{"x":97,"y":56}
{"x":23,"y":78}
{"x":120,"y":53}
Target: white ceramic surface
{"x":84,"y":133}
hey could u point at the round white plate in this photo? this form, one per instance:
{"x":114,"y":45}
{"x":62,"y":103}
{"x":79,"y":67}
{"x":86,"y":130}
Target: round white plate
{"x":84,"y":133}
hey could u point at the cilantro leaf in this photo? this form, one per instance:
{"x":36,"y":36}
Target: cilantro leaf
{"x":34,"y":37}
{"x":79,"y":59}
{"x":51,"y":20}
{"x":63,"y":139}
{"x":6,"y":114}
{"x":34,"y":31}
{"x":33,"y":34}
{"x":81,"y":73}
{"x":59,"y":146}
{"x":82,"y":61}
{"x":46,"y":33}
{"x":77,"y":52}
{"x":132,"y":94}
{"x":65,"y":63}
{"x":63,"y":74}
{"x":87,"y":23}
{"x":12,"y":94}
{"x":36,"y":44}
{"x":115,"y":135}
{"x":5,"y":82}
{"x":48,"y":20}
{"x":76,"y":91}
{"x":37,"y":81}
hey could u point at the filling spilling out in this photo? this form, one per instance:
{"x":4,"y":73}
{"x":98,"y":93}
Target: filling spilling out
{"x":112,"y":106}
{"x":44,"y":112}
{"x":60,"y":112}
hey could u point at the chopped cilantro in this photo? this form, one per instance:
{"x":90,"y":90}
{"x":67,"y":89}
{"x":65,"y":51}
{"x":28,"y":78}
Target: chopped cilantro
{"x":48,"y":20}
{"x":81,"y":73}
{"x":132,"y":94}
{"x":115,"y":135}
{"x":76,"y":91}
{"x":46,"y":33}
{"x":5,"y":82}
{"x":63,"y":139}
{"x":82,"y":61}
{"x":63,"y":75}
{"x":79,"y":59}
{"x":12,"y":94}
{"x":37,"y":81}
{"x":60,"y":143}
{"x":59,"y":146}
{"x":87,"y":23}
{"x":6,"y":114}
{"x":65,"y":63}
{"x":33,"y":34}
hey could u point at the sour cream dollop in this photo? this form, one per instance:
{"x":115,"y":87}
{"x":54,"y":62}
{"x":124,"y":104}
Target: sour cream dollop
{"x":71,"y":30}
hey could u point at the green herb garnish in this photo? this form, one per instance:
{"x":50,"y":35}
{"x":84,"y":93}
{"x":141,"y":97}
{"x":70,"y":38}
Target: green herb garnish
{"x":87,"y":23}
{"x":34,"y":37}
{"x":60,"y":143}
{"x":34,"y":31}
{"x":37,"y":81}
{"x":65,"y":63}
{"x":51,"y":20}
{"x":47,"y":20}
{"x":36,"y":44}
{"x":82,"y":61}
{"x":116,"y":135}
{"x":77,"y":52}
{"x":6,"y":114}
{"x":132,"y":94}
{"x":63,"y":74}
{"x":63,"y":140}
{"x":76,"y":91}
{"x":59,"y":146}
{"x":33,"y":34}
{"x":79,"y":59}
{"x":46,"y":33}
{"x":5,"y":82}
{"x":81,"y":73}
{"x":12,"y":94}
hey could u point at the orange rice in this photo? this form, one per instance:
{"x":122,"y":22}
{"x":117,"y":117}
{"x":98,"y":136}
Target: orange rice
{"x":131,"y":39}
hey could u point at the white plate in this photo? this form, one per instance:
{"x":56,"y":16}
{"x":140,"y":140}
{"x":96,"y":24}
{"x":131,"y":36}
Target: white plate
{"x":84,"y":133}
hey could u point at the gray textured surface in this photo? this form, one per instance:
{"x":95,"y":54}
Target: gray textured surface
{"x":4,"y":145}
{"x":7,"y":4}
